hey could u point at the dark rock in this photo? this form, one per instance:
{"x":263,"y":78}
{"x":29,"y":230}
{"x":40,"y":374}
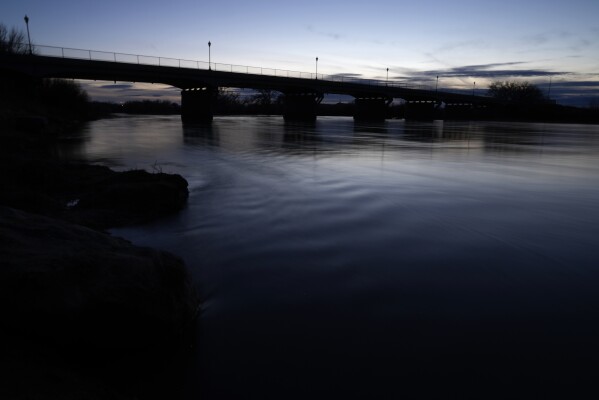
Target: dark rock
{"x":103,"y":291}
{"x":91,"y":195}
{"x":84,"y":314}
{"x":31,"y":124}
{"x":133,"y":196}
{"x":110,"y":306}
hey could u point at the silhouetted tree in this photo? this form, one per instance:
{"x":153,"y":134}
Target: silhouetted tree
{"x":62,"y":98}
{"x":228,"y":102}
{"x":264,"y":97}
{"x":156,"y":107}
{"x":64,"y":91}
{"x":265,"y":101}
{"x":12,"y":41}
{"x":521,"y":92}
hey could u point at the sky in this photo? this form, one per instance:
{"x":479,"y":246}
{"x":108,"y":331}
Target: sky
{"x":551,"y":43}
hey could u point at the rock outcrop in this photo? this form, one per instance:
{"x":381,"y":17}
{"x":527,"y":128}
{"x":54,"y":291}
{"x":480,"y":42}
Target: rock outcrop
{"x":92,"y":289}
{"x":84,"y":314}
{"x":90,"y":195}
{"x":82,"y":292}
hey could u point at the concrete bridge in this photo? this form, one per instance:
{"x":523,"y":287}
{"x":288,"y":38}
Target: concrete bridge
{"x":199,"y":81}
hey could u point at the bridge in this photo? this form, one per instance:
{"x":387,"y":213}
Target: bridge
{"x":199,"y":81}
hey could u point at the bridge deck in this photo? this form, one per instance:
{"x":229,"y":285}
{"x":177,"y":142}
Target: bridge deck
{"x":186,"y":78}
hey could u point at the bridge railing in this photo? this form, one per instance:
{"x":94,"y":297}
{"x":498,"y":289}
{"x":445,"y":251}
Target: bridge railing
{"x":96,"y":55}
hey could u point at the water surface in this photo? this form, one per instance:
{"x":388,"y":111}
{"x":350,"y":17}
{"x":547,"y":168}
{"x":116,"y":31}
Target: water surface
{"x":337,"y":260}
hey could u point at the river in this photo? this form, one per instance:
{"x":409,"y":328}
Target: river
{"x":342,"y":260}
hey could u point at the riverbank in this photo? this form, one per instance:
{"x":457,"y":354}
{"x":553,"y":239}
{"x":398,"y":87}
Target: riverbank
{"x":85,"y":314}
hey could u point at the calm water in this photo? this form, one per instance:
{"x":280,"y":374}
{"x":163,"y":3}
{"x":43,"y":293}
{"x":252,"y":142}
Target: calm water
{"x":372,"y":261}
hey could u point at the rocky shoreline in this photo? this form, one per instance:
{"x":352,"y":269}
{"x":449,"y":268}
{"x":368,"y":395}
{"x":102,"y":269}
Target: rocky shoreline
{"x":86,"y":314}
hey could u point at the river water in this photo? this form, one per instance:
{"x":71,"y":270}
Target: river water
{"x":339,"y":260}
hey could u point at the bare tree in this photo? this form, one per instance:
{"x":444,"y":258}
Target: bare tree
{"x":12,"y":41}
{"x":263,"y":98}
{"x":227,"y":101}
{"x":522,"y":92}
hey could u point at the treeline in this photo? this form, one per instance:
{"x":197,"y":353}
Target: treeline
{"x":527,"y":102}
{"x":519,"y":107}
{"x":31,"y":103}
{"x":59,"y":102}
{"x":12,"y":41}
{"x":157,"y":107}
{"x":268,"y":102}
{"x":518,"y":101}
{"x":149,"y":107}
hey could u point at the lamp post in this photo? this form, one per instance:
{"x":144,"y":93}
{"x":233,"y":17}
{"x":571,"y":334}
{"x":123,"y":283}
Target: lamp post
{"x":316,"y":68}
{"x":437,"y":85}
{"x":549,"y":91}
{"x":209,"y":64}
{"x":28,"y":36}
{"x":387,"y":81}
{"x":473,"y":87}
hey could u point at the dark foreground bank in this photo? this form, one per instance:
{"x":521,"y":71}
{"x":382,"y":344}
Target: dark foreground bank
{"x":85,"y":314}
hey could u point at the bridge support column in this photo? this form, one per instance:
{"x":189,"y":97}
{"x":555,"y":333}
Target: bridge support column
{"x":197,"y":104}
{"x":371,"y":108}
{"x":301,"y":106}
{"x":424,"y":110}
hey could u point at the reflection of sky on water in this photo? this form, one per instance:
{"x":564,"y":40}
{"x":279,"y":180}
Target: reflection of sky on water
{"x":371,"y":257}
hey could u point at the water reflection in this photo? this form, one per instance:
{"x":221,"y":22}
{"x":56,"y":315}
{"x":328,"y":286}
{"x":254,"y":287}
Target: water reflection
{"x":373,"y":261}
{"x":298,"y":137}
{"x":380,"y":128}
{"x":201,"y":134}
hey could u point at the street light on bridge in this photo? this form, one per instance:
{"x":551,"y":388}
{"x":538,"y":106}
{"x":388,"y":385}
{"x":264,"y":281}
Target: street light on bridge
{"x":28,"y":36}
{"x":473,"y":87}
{"x":316,"y":68}
{"x":209,"y":65}
{"x":387,"y":81}
{"x":437,"y":85}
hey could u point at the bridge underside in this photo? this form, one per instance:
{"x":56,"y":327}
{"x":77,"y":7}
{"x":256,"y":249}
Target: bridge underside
{"x":198,"y":104}
{"x":301,"y":106}
{"x":424,"y":110}
{"x":464,"y":110}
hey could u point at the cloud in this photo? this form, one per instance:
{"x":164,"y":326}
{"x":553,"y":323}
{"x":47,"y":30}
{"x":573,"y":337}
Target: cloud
{"x":556,"y":41}
{"x":346,"y":76}
{"x":119,"y":86}
{"x":462,"y":77}
{"x":123,"y":91}
{"x":537,"y":40}
{"x":453,"y":46}
{"x":492,"y":71}
{"x":575,"y":93}
{"x":593,"y":85}
{"x":330,"y":35}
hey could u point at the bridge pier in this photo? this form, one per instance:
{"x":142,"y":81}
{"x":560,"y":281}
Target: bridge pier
{"x":300,"y":106}
{"x":424,"y":110}
{"x":371,"y":108}
{"x":197,"y":104}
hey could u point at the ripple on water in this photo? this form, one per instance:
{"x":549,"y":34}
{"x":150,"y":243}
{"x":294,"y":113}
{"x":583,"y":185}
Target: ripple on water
{"x":377,"y":251}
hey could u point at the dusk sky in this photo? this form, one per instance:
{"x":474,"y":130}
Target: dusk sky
{"x":461,"y":41}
